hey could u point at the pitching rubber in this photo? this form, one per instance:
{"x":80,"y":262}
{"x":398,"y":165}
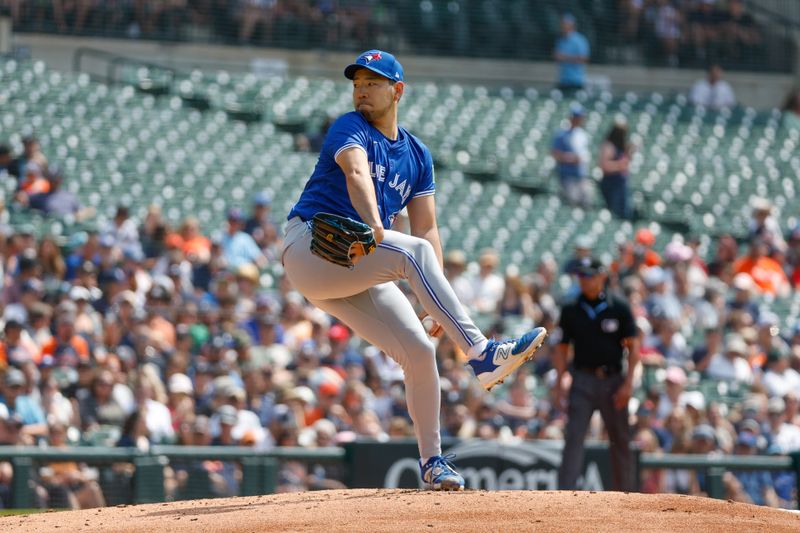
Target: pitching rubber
{"x":443,"y":487}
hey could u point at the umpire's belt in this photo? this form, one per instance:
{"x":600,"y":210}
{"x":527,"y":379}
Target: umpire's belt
{"x":601,"y":372}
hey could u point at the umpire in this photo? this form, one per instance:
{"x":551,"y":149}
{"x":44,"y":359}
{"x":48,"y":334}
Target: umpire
{"x":601,"y":330}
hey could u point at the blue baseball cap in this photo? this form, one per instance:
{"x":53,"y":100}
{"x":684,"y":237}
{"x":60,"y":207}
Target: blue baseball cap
{"x":262,"y":199}
{"x":747,"y":439}
{"x":236,"y":214}
{"x":382,"y":63}
{"x":577,"y":110}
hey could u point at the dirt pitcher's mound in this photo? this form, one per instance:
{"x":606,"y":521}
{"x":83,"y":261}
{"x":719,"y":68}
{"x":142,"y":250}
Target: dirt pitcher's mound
{"x":414,"y":510}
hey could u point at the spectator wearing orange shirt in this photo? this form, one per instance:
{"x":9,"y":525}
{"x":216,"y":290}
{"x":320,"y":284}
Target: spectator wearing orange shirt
{"x":195,"y":246}
{"x":66,"y":347}
{"x":31,"y":153}
{"x":645,"y":240}
{"x":636,"y":256}
{"x":160,"y":329}
{"x":327,"y":399}
{"x":15,"y":348}
{"x":767,"y":273}
{"x":32,"y":184}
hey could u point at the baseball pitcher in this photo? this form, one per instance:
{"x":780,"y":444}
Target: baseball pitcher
{"x":341,"y":255}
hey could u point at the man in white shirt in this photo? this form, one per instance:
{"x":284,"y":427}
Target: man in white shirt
{"x":779,"y":379}
{"x":731,"y":365}
{"x":455,"y":267}
{"x":487,"y":285}
{"x":675,"y":382}
{"x":713,"y":92}
{"x":157,"y":417}
{"x":785,"y":436}
{"x":764,"y":225}
{"x":124,"y":231}
{"x":570,"y":149}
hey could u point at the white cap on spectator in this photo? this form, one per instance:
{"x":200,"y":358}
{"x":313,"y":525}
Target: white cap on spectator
{"x":768,"y":318}
{"x":295,"y":298}
{"x":278,"y":355}
{"x":127,"y":296}
{"x":694,"y":399}
{"x":180,"y":384}
{"x":32,"y":167}
{"x":734,"y":343}
{"x":227,"y":414}
{"x":758,"y":203}
{"x":742,"y":281}
{"x":583,"y":242}
{"x":654,"y":276}
{"x":77,"y":293}
{"x":677,"y":252}
{"x":776,"y":405}
{"x":302,"y":393}
{"x":675,"y":374}
{"x":15,"y":377}
{"x":222,"y":384}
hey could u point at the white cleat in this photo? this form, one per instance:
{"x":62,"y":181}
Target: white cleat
{"x":501,"y":358}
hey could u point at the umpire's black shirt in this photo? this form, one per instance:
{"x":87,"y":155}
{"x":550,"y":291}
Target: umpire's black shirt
{"x":596,"y":328}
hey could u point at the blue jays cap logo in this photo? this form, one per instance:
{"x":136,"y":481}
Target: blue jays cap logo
{"x":382,"y":63}
{"x":369,"y":57}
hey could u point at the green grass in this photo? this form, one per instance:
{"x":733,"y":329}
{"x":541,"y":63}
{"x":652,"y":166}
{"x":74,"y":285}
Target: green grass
{"x":12,"y":512}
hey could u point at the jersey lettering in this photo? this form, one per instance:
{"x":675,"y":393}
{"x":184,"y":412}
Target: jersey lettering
{"x":400,"y":187}
{"x":377,"y":171}
{"x":401,"y":169}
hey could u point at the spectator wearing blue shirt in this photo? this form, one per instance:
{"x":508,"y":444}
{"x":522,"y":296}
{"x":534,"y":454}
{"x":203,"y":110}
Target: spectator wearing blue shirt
{"x":783,"y":481}
{"x":85,"y":257}
{"x":21,"y":405}
{"x":572,"y":54}
{"x":260,"y":217}
{"x":752,"y":486}
{"x":571,"y":152}
{"x":237,"y":246}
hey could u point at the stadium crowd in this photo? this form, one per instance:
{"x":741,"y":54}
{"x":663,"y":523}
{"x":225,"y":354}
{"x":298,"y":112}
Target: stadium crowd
{"x":693,"y":33}
{"x":689,"y":33}
{"x":138,"y":333}
{"x":245,"y":21}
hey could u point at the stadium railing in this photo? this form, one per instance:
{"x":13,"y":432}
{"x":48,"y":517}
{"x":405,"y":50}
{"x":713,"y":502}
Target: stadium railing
{"x":715,"y":466}
{"x":146,"y":480}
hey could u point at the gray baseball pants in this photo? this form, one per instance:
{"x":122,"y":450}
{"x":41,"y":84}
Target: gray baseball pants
{"x":366,"y":299}
{"x":588,"y":394}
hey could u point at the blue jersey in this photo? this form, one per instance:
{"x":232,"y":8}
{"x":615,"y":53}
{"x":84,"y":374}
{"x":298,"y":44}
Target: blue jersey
{"x":573,"y":44}
{"x":570,"y":141}
{"x":400,"y":169}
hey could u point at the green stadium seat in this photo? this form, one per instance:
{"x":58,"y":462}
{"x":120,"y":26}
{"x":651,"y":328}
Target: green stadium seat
{"x":695,"y":170}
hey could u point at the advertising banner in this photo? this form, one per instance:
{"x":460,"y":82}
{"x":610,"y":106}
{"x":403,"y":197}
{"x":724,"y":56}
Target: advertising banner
{"x":490,"y":465}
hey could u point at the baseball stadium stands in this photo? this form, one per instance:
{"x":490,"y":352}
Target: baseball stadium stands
{"x":694,"y":167}
{"x":202,"y":141}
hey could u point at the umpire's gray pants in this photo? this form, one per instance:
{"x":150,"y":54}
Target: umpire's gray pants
{"x":366,"y":299}
{"x":589,"y":393}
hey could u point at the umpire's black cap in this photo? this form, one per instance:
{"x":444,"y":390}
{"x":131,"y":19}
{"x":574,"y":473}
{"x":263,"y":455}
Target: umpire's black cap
{"x":590,"y":267}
